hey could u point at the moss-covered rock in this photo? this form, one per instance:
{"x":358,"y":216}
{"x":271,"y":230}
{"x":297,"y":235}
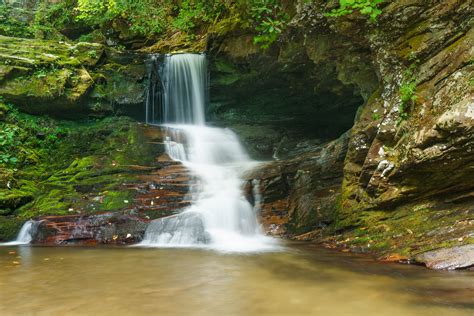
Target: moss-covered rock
{"x":69,"y":80}
{"x":85,"y":168}
{"x":47,"y":77}
{"x":9,"y":227}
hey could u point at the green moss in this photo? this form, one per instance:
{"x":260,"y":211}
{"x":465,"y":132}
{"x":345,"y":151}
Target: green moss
{"x":47,"y":77}
{"x":57,"y":201}
{"x":116,"y":200}
{"x":9,"y":228}
{"x":10,"y":200}
{"x":406,"y":230}
{"x":78,"y":166}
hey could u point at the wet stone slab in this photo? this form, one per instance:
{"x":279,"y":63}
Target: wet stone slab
{"x":449,"y":258}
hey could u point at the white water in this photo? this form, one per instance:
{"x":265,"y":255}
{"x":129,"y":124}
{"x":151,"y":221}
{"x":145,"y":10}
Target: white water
{"x":24,"y":237}
{"x":185,"y":83}
{"x":220,"y":216}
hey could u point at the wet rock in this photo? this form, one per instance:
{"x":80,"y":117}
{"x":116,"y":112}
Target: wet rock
{"x":449,"y":258}
{"x":279,"y":98}
{"x":300,"y":195}
{"x":185,"y":228}
{"x":109,"y":228}
{"x":409,"y":166}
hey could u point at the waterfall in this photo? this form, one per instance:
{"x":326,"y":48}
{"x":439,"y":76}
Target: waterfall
{"x":177,"y":91}
{"x":220,"y":216}
{"x":25,"y":236}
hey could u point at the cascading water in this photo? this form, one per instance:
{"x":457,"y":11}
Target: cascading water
{"x":25,"y":236}
{"x":220,"y":216}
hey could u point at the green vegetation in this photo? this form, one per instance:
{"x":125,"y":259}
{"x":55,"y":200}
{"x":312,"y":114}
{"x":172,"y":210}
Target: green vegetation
{"x":376,"y":116}
{"x":49,"y":19}
{"x":269,"y":20}
{"x":365,"y":7}
{"x":407,"y":92}
{"x":8,"y":142}
{"x":46,"y":23}
{"x":143,"y":17}
{"x":11,"y":26}
{"x":19,"y":133}
{"x":148,"y":20}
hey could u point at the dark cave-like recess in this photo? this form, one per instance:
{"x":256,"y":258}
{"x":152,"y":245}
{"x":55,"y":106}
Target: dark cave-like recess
{"x":272,"y":104}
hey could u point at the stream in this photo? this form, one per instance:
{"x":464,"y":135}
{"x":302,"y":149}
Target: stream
{"x":302,"y":280}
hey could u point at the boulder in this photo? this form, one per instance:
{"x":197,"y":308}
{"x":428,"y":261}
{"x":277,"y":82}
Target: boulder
{"x":448,"y":258}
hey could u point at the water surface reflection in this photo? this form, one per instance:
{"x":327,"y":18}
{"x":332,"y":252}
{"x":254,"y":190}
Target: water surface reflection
{"x":117,"y":281}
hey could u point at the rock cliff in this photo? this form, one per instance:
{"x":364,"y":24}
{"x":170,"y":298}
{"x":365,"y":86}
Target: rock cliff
{"x":407,"y":176}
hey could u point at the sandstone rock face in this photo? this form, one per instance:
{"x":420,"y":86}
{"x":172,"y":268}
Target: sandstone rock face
{"x":300,"y":195}
{"x":407,"y":176}
{"x":412,"y":159}
{"x":387,"y":156}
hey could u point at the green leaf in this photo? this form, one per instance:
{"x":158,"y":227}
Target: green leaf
{"x":366,"y":10}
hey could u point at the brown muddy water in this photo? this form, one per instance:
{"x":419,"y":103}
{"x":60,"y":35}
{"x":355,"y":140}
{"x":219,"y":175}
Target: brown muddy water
{"x":300,"y":280}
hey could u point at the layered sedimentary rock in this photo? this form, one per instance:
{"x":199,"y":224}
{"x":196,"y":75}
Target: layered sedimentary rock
{"x":69,"y":80}
{"x":407,"y":184}
{"x":300,"y":194}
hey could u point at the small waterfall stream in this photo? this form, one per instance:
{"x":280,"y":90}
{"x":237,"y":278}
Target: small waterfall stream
{"x":220,"y":216}
{"x":25,"y":236}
